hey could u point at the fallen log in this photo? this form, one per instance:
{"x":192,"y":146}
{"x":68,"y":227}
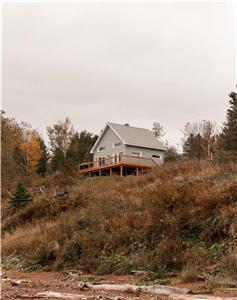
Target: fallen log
{"x":130,"y":288}
{"x":57,"y":295}
{"x":198,"y":297}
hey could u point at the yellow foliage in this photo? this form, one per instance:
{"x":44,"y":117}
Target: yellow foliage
{"x":32,"y":150}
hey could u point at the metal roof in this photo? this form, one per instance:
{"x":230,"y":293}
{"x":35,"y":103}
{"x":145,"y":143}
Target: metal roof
{"x":133,"y":136}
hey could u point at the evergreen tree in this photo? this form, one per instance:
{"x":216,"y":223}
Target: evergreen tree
{"x":58,"y":160}
{"x":42,"y":164}
{"x":20,"y":197}
{"x":228,"y":138}
{"x":158,"y":130}
{"x":80,"y":146}
{"x":193,"y":147}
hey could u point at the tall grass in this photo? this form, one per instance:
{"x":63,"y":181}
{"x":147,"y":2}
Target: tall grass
{"x":181,"y":217}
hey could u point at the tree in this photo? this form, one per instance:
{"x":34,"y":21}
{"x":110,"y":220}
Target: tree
{"x":58,"y":160}
{"x":20,"y":197}
{"x":12,"y":159}
{"x":199,"y":139}
{"x":171,"y":153}
{"x":193,"y":146}
{"x":32,"y":151}
{"x":42,"y":163}
{"x":158,"y":130}
{"x":60,"y":135}
{"x":19,"y":158}
{"x":80,"y":146}
{"x":228,"y":138}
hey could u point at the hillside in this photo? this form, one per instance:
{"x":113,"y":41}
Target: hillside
{"x":179,"y":220}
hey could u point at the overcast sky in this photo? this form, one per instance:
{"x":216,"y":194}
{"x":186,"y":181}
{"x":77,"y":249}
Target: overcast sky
{"x":126,"y":63}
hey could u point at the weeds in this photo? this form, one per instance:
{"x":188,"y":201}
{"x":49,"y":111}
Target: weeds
{"x":178,"y":218}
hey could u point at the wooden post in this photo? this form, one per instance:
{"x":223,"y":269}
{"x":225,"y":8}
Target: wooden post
{"x":89,"y":174}
{"x":110,"y":172}
{"x":136,"y":171}
{"x":121,"y":170}
{"x":99,"y":172}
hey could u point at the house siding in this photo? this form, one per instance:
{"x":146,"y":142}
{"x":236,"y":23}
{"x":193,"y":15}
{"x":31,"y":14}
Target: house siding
{"x":146,"y":152}
{"x":107,"y":141}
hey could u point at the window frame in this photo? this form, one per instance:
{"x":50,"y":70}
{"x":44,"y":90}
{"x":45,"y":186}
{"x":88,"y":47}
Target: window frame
{"x":140,"y":153}
{"x":100,"y":150}
{"x":120,"y":144}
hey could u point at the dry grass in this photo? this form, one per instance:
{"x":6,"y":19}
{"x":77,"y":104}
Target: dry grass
{"x":179,"y":218}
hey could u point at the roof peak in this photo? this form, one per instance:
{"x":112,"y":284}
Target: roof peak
{"x":127,"y":125}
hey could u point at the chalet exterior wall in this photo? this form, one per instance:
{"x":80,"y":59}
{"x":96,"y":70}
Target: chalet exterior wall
{"x":109,"y":138}
{"x":146,"y":152}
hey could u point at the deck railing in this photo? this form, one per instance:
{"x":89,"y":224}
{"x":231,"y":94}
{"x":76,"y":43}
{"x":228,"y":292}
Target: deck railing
{"x":122,"y":158}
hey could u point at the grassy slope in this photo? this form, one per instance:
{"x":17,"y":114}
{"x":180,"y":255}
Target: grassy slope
{"x":181,"y":218}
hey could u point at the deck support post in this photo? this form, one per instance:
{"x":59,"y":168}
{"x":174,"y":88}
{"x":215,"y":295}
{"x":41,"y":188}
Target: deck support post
{"x":99,"y":172}
{"x":89,"y":174}
{"x":136,"y":171}
{"x":121,"y":170}
{"x":110,"y":171}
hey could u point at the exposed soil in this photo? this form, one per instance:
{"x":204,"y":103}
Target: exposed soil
{"x":19,"y":285}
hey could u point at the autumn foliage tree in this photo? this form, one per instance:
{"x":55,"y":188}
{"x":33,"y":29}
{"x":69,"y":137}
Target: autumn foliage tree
{"x":12,"y":160}
{"x":31,"y":149}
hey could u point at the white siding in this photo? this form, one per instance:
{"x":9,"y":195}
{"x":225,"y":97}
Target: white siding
{"x":107,"y":141}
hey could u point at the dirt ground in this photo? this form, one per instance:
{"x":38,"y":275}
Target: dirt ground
{"x":19,"y":285}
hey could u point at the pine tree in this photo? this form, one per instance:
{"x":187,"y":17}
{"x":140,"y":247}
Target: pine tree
{"x":21,"y":196}
{"x":58,"y":160}
{"x":193,"y":147}
{"x":42,"y":164}
{"x":80,"y":146}
{"x":229,"y":135}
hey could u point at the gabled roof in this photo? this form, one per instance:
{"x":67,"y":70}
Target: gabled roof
{"x":132,"y":136}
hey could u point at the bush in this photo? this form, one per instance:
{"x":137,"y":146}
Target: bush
{"x":179,"y":218}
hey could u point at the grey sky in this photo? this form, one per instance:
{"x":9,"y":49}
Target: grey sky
{"x":126,"y":63}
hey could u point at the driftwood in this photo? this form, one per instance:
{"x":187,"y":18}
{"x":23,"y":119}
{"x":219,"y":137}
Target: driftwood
{"x":57,"y":295}
{"x":198,"y":297}
{"x":173,"y":293}
{"x":130,"y":288}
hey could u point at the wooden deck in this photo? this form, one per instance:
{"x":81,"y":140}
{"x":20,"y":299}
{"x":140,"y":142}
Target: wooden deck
{"x":125,"y":165}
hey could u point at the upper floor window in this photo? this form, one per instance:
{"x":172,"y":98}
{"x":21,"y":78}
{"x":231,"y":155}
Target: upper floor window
{"x":101,"y":149}
{"x":117,"y":144}
{"x":156,"y":156}
{"x":136,"y":154}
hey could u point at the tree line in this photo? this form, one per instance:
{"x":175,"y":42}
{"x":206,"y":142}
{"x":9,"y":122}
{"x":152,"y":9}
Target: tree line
{"x":202,"y":140}
{"x":25,"y":154}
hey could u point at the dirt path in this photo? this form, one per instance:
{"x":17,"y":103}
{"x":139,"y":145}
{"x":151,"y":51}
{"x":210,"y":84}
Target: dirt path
{"x":18,"y":285}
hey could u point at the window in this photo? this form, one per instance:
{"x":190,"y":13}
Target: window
{"x":156,"y":156}
{"x":117,"y":144}
{"x":138,"y":154}
{"x":101,"y":149}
